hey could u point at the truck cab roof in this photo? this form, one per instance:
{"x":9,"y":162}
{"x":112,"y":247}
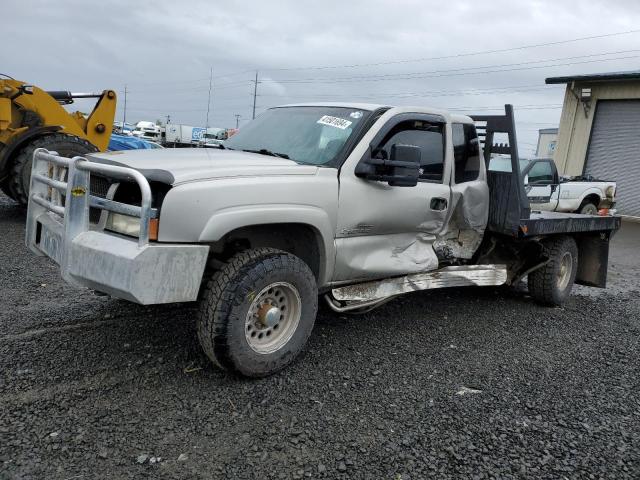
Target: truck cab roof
{"x":454,"y":117}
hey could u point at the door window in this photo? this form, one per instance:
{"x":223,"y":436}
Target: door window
{"x":466,"y":152}
{"x":541,"y":174}
{"x":428,"y":136}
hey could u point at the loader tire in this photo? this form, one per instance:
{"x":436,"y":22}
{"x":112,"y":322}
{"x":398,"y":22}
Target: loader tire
{"x":257,"y":312}
{"x":65,"y":145}
{"x":6,"y":190}
{"x":552,"y":284}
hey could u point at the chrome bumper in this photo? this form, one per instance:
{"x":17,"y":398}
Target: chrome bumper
{"x":139,"y":271}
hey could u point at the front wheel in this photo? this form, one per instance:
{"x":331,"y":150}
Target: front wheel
{"x":257,"y":312}
{"x":552,"y":283}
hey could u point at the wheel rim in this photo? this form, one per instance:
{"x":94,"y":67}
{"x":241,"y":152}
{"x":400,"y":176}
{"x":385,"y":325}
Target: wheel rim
{"x":273,"y":317}
{"x":564,"y":272}
{"x":590,"y":210}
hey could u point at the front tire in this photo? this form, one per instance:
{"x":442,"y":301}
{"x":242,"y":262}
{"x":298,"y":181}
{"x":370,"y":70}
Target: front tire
{"x":257,"y":312}
{"x":552,"y":284}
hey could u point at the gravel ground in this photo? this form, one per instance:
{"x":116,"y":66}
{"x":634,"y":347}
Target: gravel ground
{"x":476,"y":383}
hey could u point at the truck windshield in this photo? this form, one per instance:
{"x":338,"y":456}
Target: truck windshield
{"x":310,"y":135}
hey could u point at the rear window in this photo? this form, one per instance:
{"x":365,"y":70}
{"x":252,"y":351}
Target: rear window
{"x":466,"y":152}
{"x":503,"y":164}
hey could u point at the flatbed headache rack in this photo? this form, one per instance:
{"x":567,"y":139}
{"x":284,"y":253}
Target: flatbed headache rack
{"x":509,"y":209}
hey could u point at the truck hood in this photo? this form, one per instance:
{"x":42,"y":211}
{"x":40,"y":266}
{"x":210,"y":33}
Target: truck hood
{"x":178,"y":165}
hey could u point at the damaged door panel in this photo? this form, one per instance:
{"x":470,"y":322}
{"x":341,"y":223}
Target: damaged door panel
{"x":376,"y":256}
{"x":469,"y":212}
{"x":464,"y":230}
{"x":393,"y":228}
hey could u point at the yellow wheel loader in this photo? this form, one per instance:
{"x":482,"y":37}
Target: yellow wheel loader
{"x":32,"y":118}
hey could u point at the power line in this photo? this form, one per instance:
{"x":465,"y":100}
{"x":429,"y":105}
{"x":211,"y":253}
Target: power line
{"x":418,"y":77}
{"x":395,"y":62}
{"x":453,"y":71}
{"x":202,"y":88}
{"x":194,"y":80}
{"x":459,"y":55}
{"x":421,"y":75}
{"x":501,"y":108}
{"x":430,"y":94}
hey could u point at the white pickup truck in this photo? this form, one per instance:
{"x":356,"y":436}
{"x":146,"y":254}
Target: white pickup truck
{"x":547,"y":190}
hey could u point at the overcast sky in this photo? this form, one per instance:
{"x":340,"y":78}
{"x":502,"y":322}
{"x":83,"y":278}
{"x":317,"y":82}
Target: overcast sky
{"x":383,"y":52}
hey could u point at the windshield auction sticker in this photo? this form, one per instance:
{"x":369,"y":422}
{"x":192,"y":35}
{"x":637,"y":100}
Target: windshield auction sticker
{"x":340,"y":123}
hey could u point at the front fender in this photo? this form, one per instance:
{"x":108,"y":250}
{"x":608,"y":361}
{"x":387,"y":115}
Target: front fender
{"x":205,"y":211}
{"x":229,"y":219}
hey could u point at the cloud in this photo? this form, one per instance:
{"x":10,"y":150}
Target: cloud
{"x":163,"y":52}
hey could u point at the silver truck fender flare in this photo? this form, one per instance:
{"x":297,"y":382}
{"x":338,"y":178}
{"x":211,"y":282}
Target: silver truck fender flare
{"x":226,"y":220}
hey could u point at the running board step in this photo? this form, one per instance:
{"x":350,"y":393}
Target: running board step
{"x":458,"y":276}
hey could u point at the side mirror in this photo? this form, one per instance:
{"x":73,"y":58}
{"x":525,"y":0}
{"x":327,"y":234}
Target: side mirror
{"x":402,"y":169}
{"x":526,"y":179}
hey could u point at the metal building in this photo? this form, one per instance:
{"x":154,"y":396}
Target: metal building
{"x":599,"y":132}
{"x":547,"y":140}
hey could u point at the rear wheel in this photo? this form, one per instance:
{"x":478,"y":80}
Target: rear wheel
{"x":257,"y":312}
{"x":552,"y":283}
{"x":588,"y":208}
{"x":65,"y":145}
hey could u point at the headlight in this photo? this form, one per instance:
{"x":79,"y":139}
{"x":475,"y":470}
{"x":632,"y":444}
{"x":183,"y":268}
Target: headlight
{"x":124,"y":224}
{"x":127,"y":225}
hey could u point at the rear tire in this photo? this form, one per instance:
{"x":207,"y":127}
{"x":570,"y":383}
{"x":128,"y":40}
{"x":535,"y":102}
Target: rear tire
{"x":257,"y":312}
{"x":65,"y":145}
{"x":552,"y":284}
{"x":588,"y":208}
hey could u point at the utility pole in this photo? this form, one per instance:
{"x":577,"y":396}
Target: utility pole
{"x":237,"y":120}
{"x":255,"y":94}
{"x":124,"y":116}
{"x":168,"y":119}
{"x":209,"y":100}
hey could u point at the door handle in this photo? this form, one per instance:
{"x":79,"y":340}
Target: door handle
{"x":438,"y":203}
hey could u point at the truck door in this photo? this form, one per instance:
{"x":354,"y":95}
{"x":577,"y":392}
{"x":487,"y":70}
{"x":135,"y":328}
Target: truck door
{"x":469,"y":209}
{"x":385,"y":230}
{"x":542,"y":184}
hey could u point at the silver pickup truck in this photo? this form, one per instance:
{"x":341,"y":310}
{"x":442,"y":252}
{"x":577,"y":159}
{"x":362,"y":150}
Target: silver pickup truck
{"x":358,"y":203}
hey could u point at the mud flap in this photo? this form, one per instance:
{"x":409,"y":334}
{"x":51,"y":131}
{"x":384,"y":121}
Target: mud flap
{"x":593,"y":259}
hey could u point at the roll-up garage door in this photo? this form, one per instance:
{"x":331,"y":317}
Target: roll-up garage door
{"x":614,"y":151}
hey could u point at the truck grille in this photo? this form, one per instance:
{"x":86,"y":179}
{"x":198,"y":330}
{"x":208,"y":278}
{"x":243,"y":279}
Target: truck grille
{"x":99,"y":186}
